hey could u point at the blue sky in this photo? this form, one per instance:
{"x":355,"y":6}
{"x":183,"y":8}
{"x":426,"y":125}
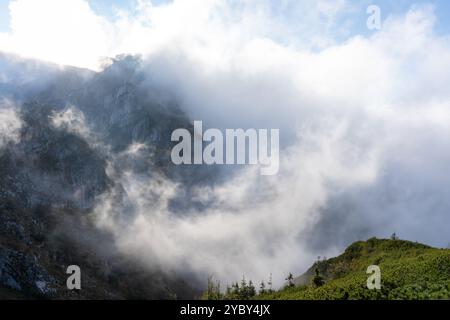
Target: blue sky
{"x":4,"y":15}
{"x":388,"y":7}
{"x":102,"y":7}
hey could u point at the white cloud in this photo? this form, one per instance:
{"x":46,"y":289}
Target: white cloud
{"x":70,"y":32}
{"x":10,"y":123}
{"x":71,"y":120}
{"x":65,"y":32}
{"x":366,"y":122}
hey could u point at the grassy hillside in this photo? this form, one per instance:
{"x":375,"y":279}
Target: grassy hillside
{"x":408,"y":271}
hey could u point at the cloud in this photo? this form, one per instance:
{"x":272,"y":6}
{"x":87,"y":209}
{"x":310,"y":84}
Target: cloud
{"x":69,"y":32}
{"x":364,"y":124}
{"x":65,"y":32}
{"x":10,"y":123}
{"x":251,"y":227}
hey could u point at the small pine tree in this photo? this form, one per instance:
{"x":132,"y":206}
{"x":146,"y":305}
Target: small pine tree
{"x":243,"y":289}
{"x":318,"y":280}
{"x":290,"y":280}
{"x":269,"y":283}
{"x":228,"y":292}
{"x":235,"y":291}
{"x":262,"y":288}
{"x":251,"y":291}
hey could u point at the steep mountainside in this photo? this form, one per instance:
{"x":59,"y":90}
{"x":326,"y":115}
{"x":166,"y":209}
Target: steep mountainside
{"x":75,"y":127}
{"x":408,"y":271}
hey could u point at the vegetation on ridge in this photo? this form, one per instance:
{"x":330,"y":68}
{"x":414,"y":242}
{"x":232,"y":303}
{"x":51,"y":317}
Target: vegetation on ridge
{"x":409,"y":270}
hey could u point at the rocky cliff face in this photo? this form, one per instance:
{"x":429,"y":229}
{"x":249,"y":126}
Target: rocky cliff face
{"x":74,"y":127}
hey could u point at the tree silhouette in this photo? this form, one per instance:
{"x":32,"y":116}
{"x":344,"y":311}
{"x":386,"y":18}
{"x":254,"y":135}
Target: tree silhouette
{"x":290,"y":280}
{"x":262,"y":288}
{"x":269,"y":283}
{"x":318,"y":280}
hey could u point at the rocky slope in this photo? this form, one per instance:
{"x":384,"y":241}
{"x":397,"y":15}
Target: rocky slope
{"x":74,"y":127}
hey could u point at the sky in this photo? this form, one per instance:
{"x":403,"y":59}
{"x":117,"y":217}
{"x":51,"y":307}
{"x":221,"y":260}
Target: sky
{"x":31,"y":28}
{"x":107,"y":8}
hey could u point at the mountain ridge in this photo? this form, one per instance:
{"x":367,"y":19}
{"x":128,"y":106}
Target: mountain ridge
{"x":409,"y":270}
{"x":75,"y":126}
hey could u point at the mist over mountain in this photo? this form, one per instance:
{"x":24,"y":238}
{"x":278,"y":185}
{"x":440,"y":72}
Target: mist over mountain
{"x":57,"y":160}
